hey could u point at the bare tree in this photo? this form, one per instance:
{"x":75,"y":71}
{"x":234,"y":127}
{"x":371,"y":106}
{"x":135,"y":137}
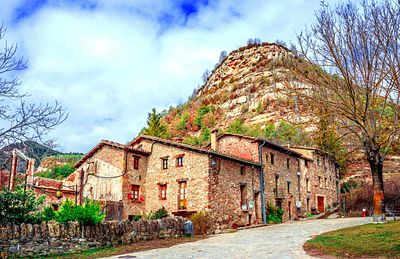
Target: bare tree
{"x":350,"y":57}
{"x":19,"y":120}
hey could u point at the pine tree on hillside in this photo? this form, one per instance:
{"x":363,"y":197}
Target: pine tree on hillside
{"x":154,"y":125}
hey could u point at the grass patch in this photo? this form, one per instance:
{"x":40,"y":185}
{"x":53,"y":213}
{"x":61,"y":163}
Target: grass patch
{"x":125,"y":249}
{"x":371,"y":240}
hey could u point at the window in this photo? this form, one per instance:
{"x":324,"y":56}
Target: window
{"x":276,"y":184}
{"x":134,"y":194}
{"x":326,"y":183}
{"x":182,"y":196}
{"x":272,"y":157}
{"x":179,"y":161}
{"x":318,"y":162}
{"x":243,"y":203}
{"x":288,"y":186}
{"x":136,"y":162}
{"x":306,"y":164}
{"x":287,"y":163}
{"x":164,"y":163}
{"x":163,"y":191}
{"x":308,"y":185}
{"x":319,"y":182}
{"x":242,"y":169}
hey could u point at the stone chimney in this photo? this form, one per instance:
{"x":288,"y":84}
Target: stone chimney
{"x":214,"y":141}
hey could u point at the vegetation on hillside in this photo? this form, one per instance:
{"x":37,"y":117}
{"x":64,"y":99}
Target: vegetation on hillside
{"x":63,"y":167}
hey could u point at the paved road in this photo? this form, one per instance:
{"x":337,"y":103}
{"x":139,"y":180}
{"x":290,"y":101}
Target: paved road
{"x":275,"y":241}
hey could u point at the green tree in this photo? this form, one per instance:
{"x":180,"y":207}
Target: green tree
{"x":237,"y":127}
{"x":19,"y":206}
{"x":154,"y":125}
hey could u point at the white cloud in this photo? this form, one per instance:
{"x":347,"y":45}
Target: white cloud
{"x":110,"y":65}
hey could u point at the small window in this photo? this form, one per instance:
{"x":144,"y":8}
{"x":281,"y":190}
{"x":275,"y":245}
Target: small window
{"x":288,"y":186}
{"x":164,"y":163}
{"x":242,"y":169}
{"x":319,"y":182}
{"x":308,"y":185}
{"x":272,"y":157}
{"x":179,"y":161}
{"x":134,"y":194}
{"x":163,"y":191}
{"x":287,"y":163}
{"x":136,"y":162}
{"x":306,"y":164}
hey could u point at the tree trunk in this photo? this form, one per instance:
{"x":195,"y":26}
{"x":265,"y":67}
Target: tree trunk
{"x":375,"y":161}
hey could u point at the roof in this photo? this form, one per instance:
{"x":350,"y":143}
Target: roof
{"x":111,"y":144}
{"x":268,"y":143}
{"x":194,"y":149}
{"x":320,"y":151}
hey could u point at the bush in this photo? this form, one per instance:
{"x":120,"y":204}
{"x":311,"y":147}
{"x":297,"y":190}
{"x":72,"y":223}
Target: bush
{"x":87,"y":214}
{"x":19,"y":206}
{"x":274,"y":214}
{"x":159,"y":214}
{"x":202,"y":223}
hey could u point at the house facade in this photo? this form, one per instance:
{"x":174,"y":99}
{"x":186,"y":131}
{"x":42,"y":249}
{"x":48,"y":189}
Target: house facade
{"x":223,"y":178}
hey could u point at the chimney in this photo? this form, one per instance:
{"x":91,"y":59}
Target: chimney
{"x":214,"y":141}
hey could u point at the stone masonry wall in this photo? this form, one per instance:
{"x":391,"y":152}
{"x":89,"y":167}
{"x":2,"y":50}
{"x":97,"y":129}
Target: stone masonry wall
{"x":106,"y":163}
{"x":286,"y":182}
{"x":194,"y":171}
{"x":226,"y":183}
{"x":134,"y":177}
{"x":28,"y":240}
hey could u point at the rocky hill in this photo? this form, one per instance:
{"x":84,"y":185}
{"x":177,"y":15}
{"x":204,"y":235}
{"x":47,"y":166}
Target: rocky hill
{"x":247,"y":85}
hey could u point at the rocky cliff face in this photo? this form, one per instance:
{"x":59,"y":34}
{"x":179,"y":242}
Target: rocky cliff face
{"x":250,"y":83}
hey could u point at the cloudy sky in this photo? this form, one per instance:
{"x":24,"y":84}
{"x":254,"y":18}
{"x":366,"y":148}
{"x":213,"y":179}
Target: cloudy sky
{"x":110,"y":61}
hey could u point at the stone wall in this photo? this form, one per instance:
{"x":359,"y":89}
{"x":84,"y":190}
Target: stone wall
{"x":28,"y":240}
{"x":226,"y":184}
{"x":194,"y":172}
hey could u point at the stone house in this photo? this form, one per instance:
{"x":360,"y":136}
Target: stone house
{"x":223,"y":178}
{"x":297,"y":179}
{"x":151,"y":173}
{"x":321,"y":179}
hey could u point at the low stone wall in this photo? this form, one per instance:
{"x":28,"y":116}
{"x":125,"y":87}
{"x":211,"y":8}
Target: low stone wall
{"x":57,"y":238}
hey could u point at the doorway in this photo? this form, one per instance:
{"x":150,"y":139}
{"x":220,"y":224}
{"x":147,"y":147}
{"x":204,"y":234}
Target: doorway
{"x":321,"y":204}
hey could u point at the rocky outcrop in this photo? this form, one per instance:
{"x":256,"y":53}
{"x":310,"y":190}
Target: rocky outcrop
{"x":250,"y":83}
{"x":28,"y":240}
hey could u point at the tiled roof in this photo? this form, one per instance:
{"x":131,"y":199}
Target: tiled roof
{"x":111,"y":144}
{"x":193,"y":148}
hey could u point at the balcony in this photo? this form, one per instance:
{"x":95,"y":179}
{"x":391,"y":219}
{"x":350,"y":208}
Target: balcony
{"x":182,"y":204}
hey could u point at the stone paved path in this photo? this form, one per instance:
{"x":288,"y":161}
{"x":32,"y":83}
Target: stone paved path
{"x":275,"y":241}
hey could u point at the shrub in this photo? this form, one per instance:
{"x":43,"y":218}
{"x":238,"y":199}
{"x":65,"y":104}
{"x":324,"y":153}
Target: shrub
{"x":274,"y":214}
{"x":159,"y":214}
{"x":202,"y":223}
{"x":87,"y":214}
{"x":19,"y":206}
{"x":183,"y":121}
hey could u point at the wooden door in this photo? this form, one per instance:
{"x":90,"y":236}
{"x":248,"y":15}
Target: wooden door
{"x":321,"y":204}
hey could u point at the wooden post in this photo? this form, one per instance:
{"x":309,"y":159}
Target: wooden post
{"x":13,"y":173}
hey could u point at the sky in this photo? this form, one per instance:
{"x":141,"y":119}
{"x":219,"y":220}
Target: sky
{"x":108,"y":62}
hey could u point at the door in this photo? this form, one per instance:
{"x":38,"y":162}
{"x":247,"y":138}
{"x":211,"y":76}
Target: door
{"x":321,"y":204}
